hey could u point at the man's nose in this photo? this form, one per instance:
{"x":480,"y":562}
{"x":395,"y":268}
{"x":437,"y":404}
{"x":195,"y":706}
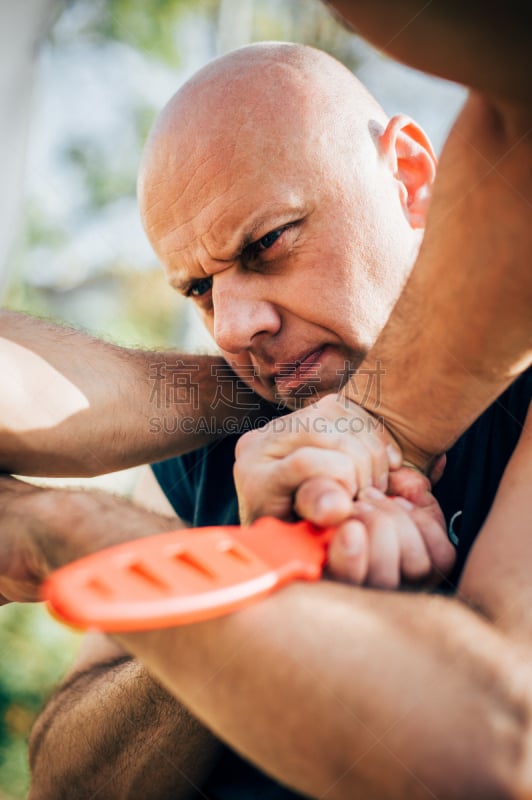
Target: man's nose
{"x":240,"y":317}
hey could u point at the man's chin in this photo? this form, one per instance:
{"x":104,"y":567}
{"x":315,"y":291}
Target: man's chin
{"x":306,"y":394}
{"x":296,"y":389}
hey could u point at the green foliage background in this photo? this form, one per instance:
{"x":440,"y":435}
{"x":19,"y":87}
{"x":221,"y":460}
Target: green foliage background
{"x":35,"y":653}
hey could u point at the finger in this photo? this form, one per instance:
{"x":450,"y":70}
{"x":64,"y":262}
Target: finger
{"x":288,"y":473}
{"x":330,"y":423}
{"x":306,"y":428}
{"x":362,"y":458}
{"x":391,"y":529}
{"x":378,"y":460}
{"x":421,"y":532}
{"x":348,"y":553}
{"x":437,"y":469}
{"x":269,"y":491}
{"x":323,"y":501}
{"x":410,"y":484}
{"x":384,"y":555}
{"x":353,"y":447}
{"x":369,"y":461}
{"x":311,"y":462}
{"x":415,"y":559}
{"x":415,"y":487}
{"x":384,"y":560}
{"x":441,"y":551}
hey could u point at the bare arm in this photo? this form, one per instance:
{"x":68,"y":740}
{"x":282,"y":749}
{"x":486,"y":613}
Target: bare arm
{"x":438,"y":712}
{"x":344,"y":692}
{"x":452,"y":39}
{"x":111,"y":729}
{"x":347,"y":691}
{"x":461,"y":331}
{"x":356,"y":692}
{"x":73,"y":405}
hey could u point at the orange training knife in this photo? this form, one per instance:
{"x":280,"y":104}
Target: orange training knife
{"x":185,"y":576}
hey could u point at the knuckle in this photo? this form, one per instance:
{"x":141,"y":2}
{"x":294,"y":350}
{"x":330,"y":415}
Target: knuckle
{"x":308,"y":462}
{"x":245,"y":442}
{"x":375,"y":445}
{"x":298,"y":464}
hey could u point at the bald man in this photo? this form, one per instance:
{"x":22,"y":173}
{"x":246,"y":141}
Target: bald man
{"x":283,"y":192}
{"x":328,"y":689}
{"x":345,"y":199}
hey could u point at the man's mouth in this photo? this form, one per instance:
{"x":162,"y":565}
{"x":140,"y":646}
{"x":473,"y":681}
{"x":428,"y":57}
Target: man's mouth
{"x":302,"y":370}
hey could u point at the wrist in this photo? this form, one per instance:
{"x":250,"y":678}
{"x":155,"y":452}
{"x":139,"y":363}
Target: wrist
{"x":414,"y":456}
{"x":383,"y":397}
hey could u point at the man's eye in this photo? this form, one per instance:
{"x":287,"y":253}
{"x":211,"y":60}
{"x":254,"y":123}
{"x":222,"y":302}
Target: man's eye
{"x":264,"y":243}
{"x":199,"y":288}
{"x":269,"y":239}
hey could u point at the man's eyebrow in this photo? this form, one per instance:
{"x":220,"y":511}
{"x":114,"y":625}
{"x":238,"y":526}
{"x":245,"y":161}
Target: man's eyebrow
{"x":274,"y":218}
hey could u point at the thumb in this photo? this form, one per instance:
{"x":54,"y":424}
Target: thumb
{"x":323,"y":501}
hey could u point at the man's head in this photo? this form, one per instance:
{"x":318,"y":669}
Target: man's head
{"x":279,"y":197}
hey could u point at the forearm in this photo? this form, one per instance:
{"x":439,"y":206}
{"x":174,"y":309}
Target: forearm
{"x":356,"y":692}
{"x":482,"y":45}
{"x":113,"y":730}
{"x":73,"y":405}
{"x":329,"y":688}
{"x":462,"y":331}
{"x":349,"y":692}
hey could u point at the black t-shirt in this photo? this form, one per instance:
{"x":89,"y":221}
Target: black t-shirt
{"x":475,"y":466}
{"x":200,"y":488}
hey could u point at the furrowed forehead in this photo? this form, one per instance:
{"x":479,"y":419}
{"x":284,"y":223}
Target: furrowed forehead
{"x":222,"y":239}
{"x":216,"y":160}
{"x":222,"y":189}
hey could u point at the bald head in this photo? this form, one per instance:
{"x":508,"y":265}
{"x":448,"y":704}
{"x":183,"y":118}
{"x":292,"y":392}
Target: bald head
{"x":279,"y":77}
{"x":256,"y":102}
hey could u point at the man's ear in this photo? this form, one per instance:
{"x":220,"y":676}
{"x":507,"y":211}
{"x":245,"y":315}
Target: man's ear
{"x":409,"y":153}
